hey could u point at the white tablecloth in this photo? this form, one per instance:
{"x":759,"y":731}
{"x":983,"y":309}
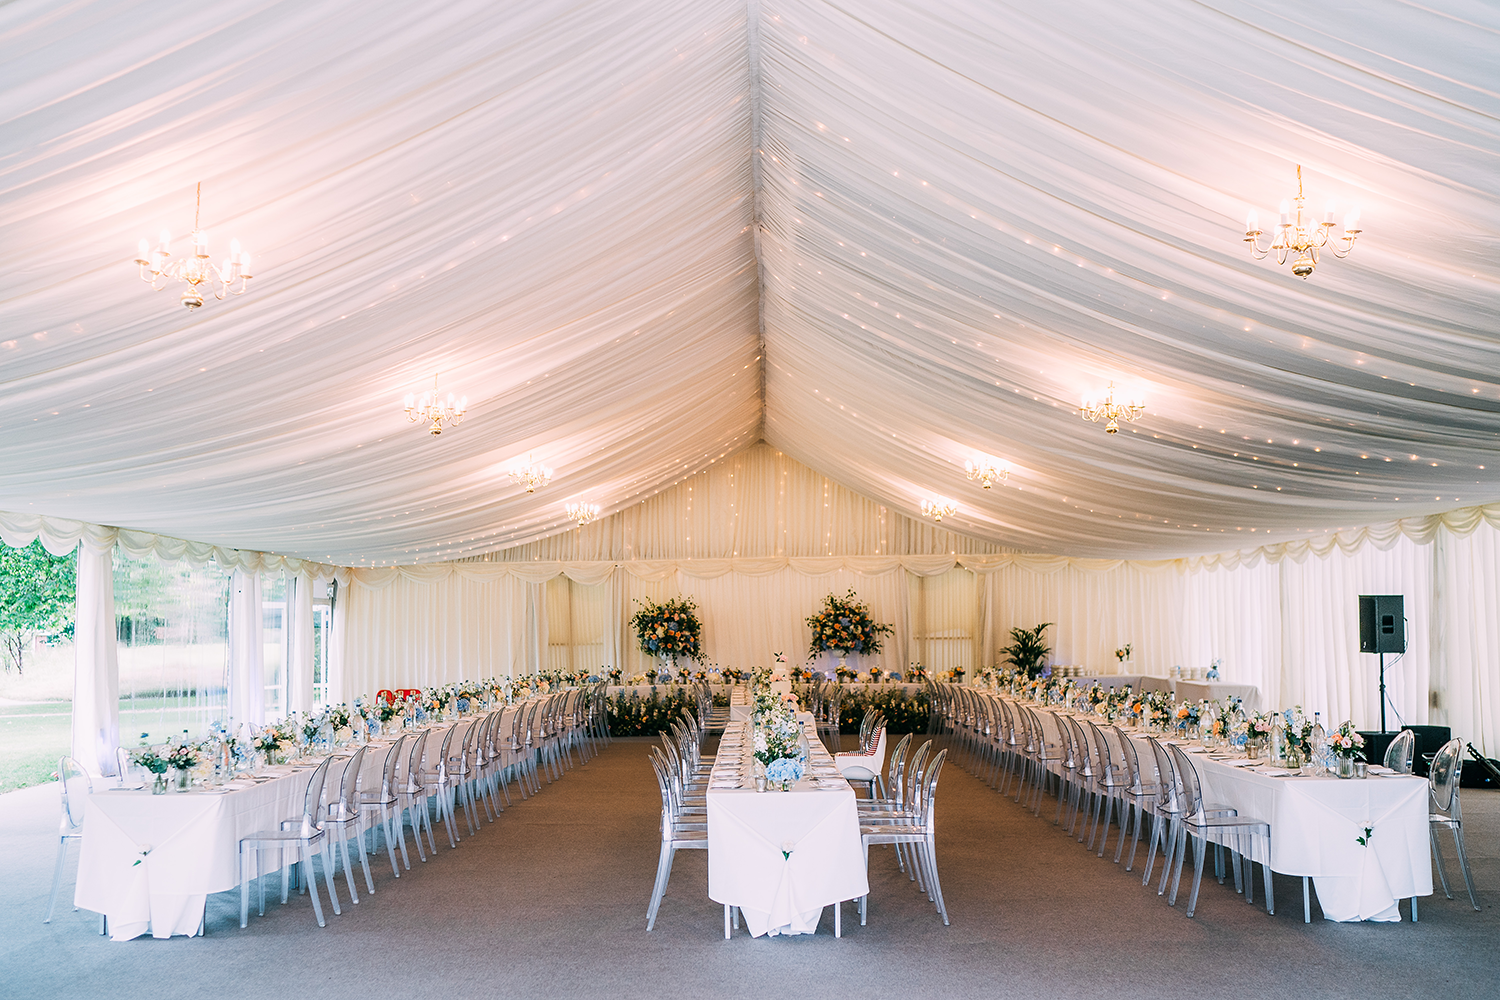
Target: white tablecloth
{"x":740,"y":705}
{"x":783,"y":856}
{"x":1217,"y":690}
{"x":1314,"y":826}
{"x":148,"y":861}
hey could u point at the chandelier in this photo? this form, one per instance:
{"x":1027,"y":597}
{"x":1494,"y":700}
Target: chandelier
{"x":197,"y":270}
{"x":1111,"y":411}
{"x":984,"y":470}
{"x":1302,"y":236}
{"x":583,"y":513}
{"x":939,"y":508}
{"x":432,"y":407}
{"x":532,"y":477}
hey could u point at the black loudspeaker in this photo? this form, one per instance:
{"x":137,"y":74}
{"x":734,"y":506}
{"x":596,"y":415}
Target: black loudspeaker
{"x":1382,"y":624}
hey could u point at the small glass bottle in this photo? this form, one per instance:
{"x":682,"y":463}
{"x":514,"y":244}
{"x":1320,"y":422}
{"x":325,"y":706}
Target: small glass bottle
{"x":1319,"y":741}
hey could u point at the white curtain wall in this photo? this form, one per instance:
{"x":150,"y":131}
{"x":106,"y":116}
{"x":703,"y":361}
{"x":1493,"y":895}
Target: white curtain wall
{"x":758,"y":541}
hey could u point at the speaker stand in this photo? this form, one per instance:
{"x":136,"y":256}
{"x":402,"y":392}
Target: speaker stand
{"x":1382,"y":693}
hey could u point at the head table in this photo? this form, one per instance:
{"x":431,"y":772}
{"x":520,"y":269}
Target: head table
{"x":781,"y":856}
{"x":148,"y":862}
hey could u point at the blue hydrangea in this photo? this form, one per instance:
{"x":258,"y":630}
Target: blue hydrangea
{"x":784,"y":769}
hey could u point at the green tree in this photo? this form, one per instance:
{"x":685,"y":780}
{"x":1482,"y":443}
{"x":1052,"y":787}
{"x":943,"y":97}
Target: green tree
{"x":38,"y":594}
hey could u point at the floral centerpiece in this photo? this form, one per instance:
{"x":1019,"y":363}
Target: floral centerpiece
{"x":1123,"y":653}
{"x":778,"y":742}
{"x":1347,"y":743}
{"x":845,"y":625}
{"x":148,"y":758}
{"x":669,"y":630}
{"x":1188,"y":715}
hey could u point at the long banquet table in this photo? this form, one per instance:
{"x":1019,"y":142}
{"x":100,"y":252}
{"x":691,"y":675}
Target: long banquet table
{"x":148,"y":862}
{"x":1315,"y":823}
{"x":781,"y":857}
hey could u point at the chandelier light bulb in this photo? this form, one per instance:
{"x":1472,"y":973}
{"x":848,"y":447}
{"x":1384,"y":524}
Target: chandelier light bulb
{"x":531,"y":477}
{"x":939,"y":508}
{"x":583,"y":513}
{"x":1299,"y":236}
{"x":197,"y":269}
{"x":985,"y":471}
{"x":1111,"y":412}
{"x":435,"y":410}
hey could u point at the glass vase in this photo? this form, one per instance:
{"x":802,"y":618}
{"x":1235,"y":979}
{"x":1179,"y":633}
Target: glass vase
{"x":1344,"y":767}
{"x":182,"y":779}
{"x":159,"y":783}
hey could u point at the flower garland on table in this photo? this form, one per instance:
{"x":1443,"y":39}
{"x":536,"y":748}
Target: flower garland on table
{"x":845,"y":625}
{"x":670,"y":629}
{"x":777,"y":739}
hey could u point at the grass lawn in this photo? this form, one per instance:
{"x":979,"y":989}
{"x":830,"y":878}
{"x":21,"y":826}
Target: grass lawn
{"x":33,"y":736}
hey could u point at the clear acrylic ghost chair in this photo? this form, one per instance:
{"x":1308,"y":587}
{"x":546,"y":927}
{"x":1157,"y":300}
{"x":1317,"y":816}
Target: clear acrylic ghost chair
{"x":343,"y":820}
{"x":1144,"y":791}
{"x":919,"y":834}
{"x":1198,"y":823}
{"x":411,"y":798}
{"x":676,"y":835}
{"x":435,"y":780}
{"x":385,"y":802}
{"x":303,"y":833}
{"x":75,"y":787}
{"x":1442,"y":783}
{"x":1398,"y":754}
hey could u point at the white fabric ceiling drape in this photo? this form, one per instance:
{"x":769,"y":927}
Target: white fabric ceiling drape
{"x":640,"y":236}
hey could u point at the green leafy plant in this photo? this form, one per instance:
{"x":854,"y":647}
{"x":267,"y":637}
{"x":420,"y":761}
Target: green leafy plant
{"x":37,"y":597}
{"x":1027,"y":652}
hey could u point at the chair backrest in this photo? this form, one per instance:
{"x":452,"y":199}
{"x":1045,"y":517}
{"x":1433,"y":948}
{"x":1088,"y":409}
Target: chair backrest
{"x":1443,"y":776}
{"x":1131,"y":764}
{"x":75,"y":785}
{"x":388,"y":768}
{"x":410,"y":770}
{"x":912,"y":778}
{"x":386,"y":695}
{"x":1105,"y":760}
{"x":349,"y":783}
{"x":1398,"y":754}
{"x":1187,"y":778}
{"x":312,"y":799}
{"x":1166,"y":777}
{"x":927,"y":815}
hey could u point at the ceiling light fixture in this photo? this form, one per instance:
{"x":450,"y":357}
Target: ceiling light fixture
{"x":984,"y":470}
{"x":583,"y":513}
{"x":532,"y":477}
{"x":433,"y":408}
{"x":196,"y":269}
{"x":939,"y":508}
{"x":1110,"y":411}
{"x":1302,"y":236}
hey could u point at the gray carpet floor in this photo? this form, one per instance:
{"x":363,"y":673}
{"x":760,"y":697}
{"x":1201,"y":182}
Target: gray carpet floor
{"x":550,"y":901}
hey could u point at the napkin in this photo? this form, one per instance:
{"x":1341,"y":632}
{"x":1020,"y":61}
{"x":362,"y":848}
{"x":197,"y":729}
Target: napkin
{"x":1277,"y":773}
{"x":1244,"y":762}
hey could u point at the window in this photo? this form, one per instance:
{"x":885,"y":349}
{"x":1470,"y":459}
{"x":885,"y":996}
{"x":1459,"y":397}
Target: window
{"x":172,"y":622}
{"x":575,"y":625}
{"x":944,"y":614}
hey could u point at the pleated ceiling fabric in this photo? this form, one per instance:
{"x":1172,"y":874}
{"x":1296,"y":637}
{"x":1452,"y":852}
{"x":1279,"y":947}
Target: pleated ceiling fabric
{"x":881,"y":236}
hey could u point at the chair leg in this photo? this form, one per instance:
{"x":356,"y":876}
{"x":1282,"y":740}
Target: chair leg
{"x":312,"y":885}
{"x":244,"y":889}
{"x":663,"y":873}
{"x":1198,"y":848}
{"x":328,"y":869}
{"x":1463,"y":864}
{"x":57,"y":874}
{"x":364,"y":859}
{"x":1306,"y":901}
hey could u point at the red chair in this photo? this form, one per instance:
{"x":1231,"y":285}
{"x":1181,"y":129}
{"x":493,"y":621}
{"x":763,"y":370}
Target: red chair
{"x":387,"y":696}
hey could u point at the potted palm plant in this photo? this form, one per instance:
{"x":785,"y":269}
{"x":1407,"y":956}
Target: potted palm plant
{"x":1027,"y":651}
